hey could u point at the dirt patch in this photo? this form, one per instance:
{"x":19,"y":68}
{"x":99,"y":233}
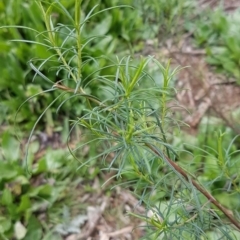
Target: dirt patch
{"x":107,"y":218}
{"x":200,"y":89}
{"x":228,"y":5}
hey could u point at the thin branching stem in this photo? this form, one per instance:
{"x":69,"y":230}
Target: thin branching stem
{"x":181,"y":171}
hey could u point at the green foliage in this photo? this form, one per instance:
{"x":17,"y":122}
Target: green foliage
{"x":124,"y":112}
{"x":16,"y":85}
{"x":215,"y":161}
{"x":165,"y":18}
{"x":14,"y":70}
{"x":133,"y":124}
{"x":119,"y":30}
{"x":23,"y":196}
{"x":219,"y":34}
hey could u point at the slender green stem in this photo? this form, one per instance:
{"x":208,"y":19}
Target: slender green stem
{"x":166,"y":80}
{"x":78,"y":37}
{"x":51,"y":35}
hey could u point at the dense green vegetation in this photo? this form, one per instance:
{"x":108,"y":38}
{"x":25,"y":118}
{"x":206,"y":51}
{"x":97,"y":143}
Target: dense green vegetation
{"x":88,"y":87}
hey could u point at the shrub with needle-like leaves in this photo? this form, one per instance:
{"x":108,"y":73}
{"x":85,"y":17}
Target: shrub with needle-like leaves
{"x":129,"y":120}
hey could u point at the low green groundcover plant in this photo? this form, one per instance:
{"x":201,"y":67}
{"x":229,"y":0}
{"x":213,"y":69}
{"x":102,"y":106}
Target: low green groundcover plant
{"x":219,"y":33}
{"x":23,"y":196}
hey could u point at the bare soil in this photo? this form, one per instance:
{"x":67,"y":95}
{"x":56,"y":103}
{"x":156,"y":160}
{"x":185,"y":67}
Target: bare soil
{"x":200,"y":89}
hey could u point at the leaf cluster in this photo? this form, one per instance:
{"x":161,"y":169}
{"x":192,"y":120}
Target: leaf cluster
{"x":218,"y":33}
